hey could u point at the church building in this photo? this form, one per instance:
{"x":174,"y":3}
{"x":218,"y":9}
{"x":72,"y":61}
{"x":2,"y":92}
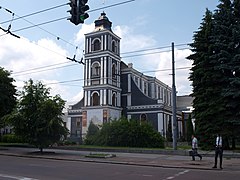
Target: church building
{"x":113,"y":89}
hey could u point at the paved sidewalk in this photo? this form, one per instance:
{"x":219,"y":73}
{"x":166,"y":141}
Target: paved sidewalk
{"x":231,"y":161}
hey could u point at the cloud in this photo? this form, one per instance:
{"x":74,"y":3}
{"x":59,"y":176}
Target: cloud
{"x":130,"y":41}
{"x":24,"y":58}
{"x":155,"y":59}
{"x":80,"y":36}
{"x":182,"y":66}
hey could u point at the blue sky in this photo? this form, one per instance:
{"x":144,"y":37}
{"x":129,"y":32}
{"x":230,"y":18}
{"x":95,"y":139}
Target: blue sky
{"x":141,"y":24}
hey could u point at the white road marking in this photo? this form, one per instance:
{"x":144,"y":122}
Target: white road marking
{"x":176,"y":175}
{"x":16,"y":177}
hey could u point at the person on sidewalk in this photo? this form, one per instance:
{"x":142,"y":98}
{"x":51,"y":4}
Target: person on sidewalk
{"x":218,"y":151}
{"x":194,"y":148}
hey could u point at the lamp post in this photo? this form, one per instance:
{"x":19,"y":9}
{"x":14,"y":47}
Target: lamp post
{"x":174,"y":101}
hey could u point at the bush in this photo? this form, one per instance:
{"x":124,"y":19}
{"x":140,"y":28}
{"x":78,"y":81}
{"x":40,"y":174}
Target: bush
{"x":124,"y":133}
{"x":11,"y":138}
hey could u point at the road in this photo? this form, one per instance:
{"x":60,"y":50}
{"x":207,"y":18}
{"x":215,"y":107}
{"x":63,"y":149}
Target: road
{"x":21,"y":168}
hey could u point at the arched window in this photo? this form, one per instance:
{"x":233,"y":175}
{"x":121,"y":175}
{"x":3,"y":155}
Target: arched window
{"x":95,"y":99}
{"x":114,"y":99}
{"x":143,"y":118}
{"x":96,"y":45}
{"x":96,"y":69}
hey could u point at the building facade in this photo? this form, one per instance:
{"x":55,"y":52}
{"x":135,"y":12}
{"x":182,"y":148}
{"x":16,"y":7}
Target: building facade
{"x":113,"y":89}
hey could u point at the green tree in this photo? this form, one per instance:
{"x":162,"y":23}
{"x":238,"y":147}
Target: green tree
{"x":190,"y":131}
{"x":92,"y":132}
{"x":37,"y":118}
{"x":169,"y":131}
{"x":215,"y":73}
{"x":206,"y":89}
{"x":7,"y":95}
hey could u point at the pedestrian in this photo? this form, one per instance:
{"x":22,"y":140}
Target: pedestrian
{"x":195,"y":148}
{"x":218,"y":151}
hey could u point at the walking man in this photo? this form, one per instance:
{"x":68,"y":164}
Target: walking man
{"x":194,"y":148}
{"x":218,"y":151}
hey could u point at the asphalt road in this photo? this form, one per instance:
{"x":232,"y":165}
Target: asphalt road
{"x":19,"y":168}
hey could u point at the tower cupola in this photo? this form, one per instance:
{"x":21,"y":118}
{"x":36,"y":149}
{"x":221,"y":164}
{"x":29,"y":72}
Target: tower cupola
{"x":103,"y":23}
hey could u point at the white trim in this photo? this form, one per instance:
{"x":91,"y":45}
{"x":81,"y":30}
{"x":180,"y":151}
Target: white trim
{"x":102,"y":71}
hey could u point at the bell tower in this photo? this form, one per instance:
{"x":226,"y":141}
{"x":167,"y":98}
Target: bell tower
{"x":102,"y":92}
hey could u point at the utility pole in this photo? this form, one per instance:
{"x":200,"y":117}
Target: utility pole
{"x":174,"y":101}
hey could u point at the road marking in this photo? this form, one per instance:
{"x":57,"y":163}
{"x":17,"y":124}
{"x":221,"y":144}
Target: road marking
{"x":16,"y":177}
{"x":147,"y":175}
{"x":176,"y":175}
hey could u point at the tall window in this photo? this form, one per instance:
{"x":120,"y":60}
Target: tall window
{"x":95,"y":99}
{"x":145,"y":88}
{"x":96,"y":69}
{"x":114,"y":71}
{"x":96,"y":45}
{"x":114,"y":101}
{"x":113,"y":46}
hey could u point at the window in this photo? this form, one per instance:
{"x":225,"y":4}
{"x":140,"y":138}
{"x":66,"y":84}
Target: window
{"x":95,"y":99}
{"x":143,"y":118}
{"x":145,"y":88}
{"x":113,"y":46}
{"x":78,"y":133}
{"x":96,"y":69}
{"x":114,"y":73}
{"x":96,"y":45}
{"x":114,"y":99}
{"x":78,"y":124}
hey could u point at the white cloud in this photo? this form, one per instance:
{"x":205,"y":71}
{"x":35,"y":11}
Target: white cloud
{"x":22,"y":55}
{"x":130,"y":41}
{"x":182,"y":66}
{"x":80,"y":36}
{"x":153,"y":60}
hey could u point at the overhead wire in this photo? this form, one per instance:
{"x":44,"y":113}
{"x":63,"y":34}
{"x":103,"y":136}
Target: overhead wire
{"x":25,"y":72}
{"x":34,"y":13}
{"x":41,"y":11}
{"x":38,"y":25}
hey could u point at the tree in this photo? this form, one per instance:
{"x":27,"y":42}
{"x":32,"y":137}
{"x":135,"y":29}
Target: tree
{"x":205,"y":90}
{"x":214,"y":73}
{"x":169,"y":131}
{"x":189,"y":128}
{"x":37,"y":118}
{"x":7,"y":94}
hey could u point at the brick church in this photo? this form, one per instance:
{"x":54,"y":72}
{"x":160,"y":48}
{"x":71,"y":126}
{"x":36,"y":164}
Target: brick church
{"x":113,"y":89}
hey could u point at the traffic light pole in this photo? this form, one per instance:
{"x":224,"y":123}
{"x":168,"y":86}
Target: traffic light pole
{"x":174,"y":101}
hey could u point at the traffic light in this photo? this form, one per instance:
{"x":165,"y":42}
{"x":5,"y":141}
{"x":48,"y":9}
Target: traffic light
{"x":82,"y":8}
{"x":78,"y":11}
{"x":73,"y":11}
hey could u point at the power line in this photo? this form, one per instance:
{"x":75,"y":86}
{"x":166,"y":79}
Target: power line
{"x":52,"y":65}
{"x":158,"y":52}
{"x":34,"y":13}
{"x":36,"y":25}
{"x":40,"y":24}
{"x":150,"y":49}
{"x":21,"y":74}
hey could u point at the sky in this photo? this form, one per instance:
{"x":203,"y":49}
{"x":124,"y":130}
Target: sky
{"x":147,"y":29}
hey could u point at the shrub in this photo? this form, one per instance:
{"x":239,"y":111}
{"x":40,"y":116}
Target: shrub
{"x":124,"y":133}
{"x":11,"y":138}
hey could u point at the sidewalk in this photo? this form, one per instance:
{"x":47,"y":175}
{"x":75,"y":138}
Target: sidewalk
{"x":167,"y":159}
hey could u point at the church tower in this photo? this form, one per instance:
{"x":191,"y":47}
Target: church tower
{"x":102,"y":93}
